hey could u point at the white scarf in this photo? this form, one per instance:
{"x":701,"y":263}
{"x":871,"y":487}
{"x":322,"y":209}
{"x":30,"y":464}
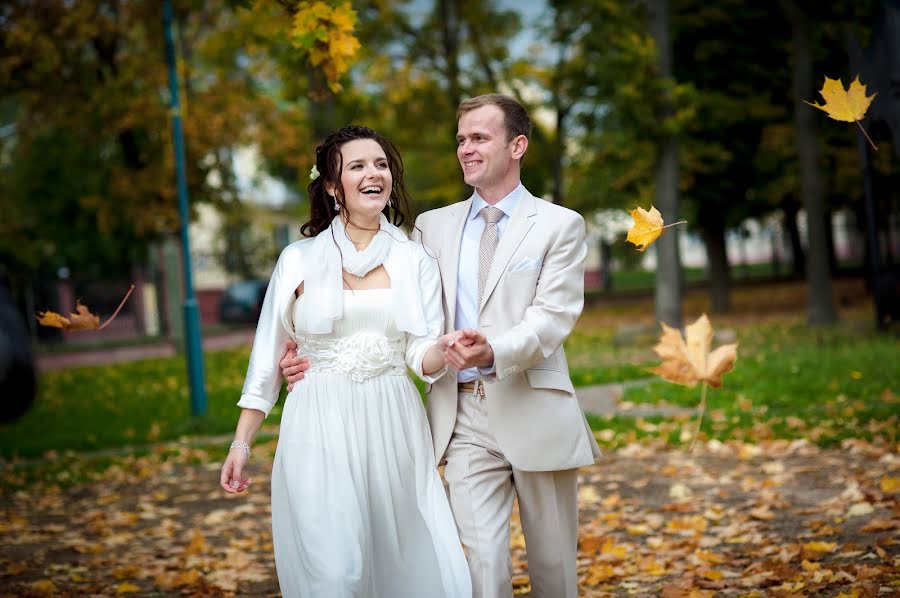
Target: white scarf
{"x":332,"y":251}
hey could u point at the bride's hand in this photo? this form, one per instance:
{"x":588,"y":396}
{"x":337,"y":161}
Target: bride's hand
{"x":232,"y":470}
{"x":293,"y":368}
{"x":451,"y":339}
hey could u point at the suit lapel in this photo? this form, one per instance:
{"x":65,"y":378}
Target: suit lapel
{"x":449,"y":257}
{"x":520,"y":223}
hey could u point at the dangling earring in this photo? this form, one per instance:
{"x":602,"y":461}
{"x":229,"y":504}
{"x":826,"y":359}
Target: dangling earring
{"x":337,"y":206}
{"x":390,"y":202}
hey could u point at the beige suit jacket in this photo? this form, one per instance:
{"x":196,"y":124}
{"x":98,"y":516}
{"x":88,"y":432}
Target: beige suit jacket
{"x":533,"y":295}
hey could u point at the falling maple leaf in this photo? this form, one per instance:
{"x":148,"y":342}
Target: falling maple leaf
{"x":848,"y":105}
{"x":687,"y":360}
{"x":80,"y":319}
{"x":647,"y":227}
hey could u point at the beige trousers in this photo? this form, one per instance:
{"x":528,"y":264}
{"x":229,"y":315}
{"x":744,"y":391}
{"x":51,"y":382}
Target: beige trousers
{"x":482,"y":486}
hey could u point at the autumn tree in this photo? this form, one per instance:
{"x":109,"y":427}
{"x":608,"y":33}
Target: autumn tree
{"x":417,"y":68}
{"x":739,"y":89}
{"x":88,"y":168}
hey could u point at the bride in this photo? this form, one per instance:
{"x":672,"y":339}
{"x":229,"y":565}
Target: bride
{"x":358,"y":508}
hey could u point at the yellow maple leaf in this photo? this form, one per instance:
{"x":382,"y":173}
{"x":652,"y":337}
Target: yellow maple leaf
{"x":647,"y":227}
{"x":688,"y":360}
{"x":848,"y":105}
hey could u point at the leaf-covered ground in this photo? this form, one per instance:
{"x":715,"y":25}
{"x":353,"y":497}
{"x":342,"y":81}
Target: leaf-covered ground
{"x":775,"y":519}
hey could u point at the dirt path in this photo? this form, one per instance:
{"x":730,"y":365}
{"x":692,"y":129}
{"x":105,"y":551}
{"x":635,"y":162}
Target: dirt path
{"x":86,"y":356}
{"x":727,"y":520}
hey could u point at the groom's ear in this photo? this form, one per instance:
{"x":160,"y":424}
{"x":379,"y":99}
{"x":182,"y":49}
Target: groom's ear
{"x":519,"y":146}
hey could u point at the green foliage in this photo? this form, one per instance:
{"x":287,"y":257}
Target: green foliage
{"x":789,"y":382}
{"x":87,"y":168}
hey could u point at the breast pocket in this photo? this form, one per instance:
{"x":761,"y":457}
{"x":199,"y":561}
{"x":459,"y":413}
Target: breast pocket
{"x":529,"y":273}
{"x":551,"y":379}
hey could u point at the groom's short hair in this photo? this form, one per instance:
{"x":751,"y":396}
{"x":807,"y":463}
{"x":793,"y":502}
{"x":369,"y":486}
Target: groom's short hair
{"x":515,"y":118}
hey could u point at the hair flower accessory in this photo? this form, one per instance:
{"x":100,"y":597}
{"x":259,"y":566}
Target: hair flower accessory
{"x":313,"y":173}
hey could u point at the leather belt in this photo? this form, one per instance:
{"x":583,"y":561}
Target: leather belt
{"x":475,"y":387}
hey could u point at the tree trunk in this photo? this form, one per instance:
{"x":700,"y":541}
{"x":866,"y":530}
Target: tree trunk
{"x":450,"y":45}
{"x":820,"y":301}
{"x":606,"y":280}
{"x":798,"y":255}
{"x":829,"y":243}
{"x":668,"y":291}
{"x":559,"y":151}
{"x":719,"y":275}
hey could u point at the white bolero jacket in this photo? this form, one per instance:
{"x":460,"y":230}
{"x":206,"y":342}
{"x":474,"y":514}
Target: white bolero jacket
{"x":409,"y":266}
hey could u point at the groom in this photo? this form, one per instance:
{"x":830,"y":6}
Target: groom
{"x":508,"y":424}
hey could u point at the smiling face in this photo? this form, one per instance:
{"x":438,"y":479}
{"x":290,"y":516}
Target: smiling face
{"x":489,"y":161}
{"x":366,"y":179}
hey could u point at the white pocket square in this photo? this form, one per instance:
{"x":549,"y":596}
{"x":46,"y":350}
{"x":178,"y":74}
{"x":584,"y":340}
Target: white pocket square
{"x":527,"y":263}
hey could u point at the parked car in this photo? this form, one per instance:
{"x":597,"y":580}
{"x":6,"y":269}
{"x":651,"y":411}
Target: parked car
{"x":242,"y":301}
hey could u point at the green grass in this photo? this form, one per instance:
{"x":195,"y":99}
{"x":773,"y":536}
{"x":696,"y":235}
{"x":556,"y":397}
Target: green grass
{"x":643,"y":280}
{"x":789,"y":382}
{"x":126,"y":404}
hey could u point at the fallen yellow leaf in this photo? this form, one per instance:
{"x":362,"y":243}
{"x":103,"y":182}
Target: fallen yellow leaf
{"x":889,"y":484}
{"x":616,"y":551}
{"x":44,"y":587}
{"x":694,"y":523}
{"x":127,"y":588}
{"x":710,"y":557}
{"x":762,"y":513}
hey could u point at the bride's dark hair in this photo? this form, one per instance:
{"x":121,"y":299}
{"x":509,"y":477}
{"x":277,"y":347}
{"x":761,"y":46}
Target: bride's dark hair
{"x":329,"y":163}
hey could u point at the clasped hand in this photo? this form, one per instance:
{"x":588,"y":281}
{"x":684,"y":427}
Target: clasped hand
{"x":461,"y":349}
{"x":467,"y":348}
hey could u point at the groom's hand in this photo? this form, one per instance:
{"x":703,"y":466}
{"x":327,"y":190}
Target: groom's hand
{"x":293,"y":368}
{"x":470,"y":348}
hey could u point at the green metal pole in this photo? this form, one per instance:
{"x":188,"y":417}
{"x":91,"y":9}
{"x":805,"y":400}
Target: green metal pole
{"x":193,"y":345}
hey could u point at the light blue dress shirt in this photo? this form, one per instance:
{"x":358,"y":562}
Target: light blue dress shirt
{"x":467,"y":281}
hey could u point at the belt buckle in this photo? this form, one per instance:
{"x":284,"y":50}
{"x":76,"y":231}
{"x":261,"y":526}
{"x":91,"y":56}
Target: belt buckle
{"x":478,"y":389}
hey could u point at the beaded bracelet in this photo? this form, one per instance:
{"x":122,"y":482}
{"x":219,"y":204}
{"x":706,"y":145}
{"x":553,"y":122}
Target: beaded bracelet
{"x":241,"y":445}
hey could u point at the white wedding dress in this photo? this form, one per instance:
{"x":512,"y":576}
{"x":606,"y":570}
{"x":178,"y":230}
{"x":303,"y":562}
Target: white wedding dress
{"x":358,"y":508}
